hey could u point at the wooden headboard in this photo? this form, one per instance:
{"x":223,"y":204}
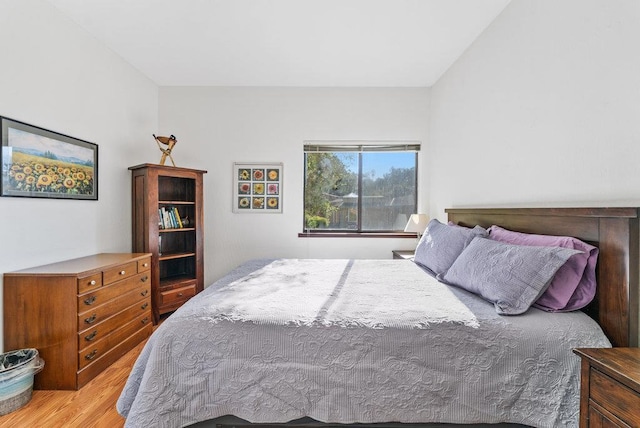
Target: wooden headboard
{"x":614,"y":231}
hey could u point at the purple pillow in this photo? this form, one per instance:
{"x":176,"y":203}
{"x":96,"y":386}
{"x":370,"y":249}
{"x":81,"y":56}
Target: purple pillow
{"x":574,"y":284}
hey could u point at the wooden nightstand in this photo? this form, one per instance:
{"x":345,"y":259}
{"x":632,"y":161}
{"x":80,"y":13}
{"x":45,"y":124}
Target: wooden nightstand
{"x":403,"y":254}
{"x":609,"y":387}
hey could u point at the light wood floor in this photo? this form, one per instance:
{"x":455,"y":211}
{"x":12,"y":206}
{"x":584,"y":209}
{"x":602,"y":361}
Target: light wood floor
{"x":92,"y":406}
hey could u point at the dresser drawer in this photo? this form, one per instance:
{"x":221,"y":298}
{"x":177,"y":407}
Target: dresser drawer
{"x":100,"y":363}
{"x":104,"y":328}
{"x":144,"y":265}
{"x":102,"y":346}
{"x":621,"y":401}
{"x":120,"y":272}
{"x":92,"y":317}
{"x":88,"y":301}
{"x":89,"y":283}
{"x":177,"y":295}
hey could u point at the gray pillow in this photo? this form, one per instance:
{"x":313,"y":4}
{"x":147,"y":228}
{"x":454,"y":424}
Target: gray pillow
{"x":512,"y":277}
{"x":441,"y":245}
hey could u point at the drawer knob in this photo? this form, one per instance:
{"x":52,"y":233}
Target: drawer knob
{"x":91,"y":319}
{"x":144,"y":293}
{"x":144,"y":306}
{"x":180,"y":294}
{"x":144,"y":278}
{"x":91,"y":336}
{"x":122,"y":272}
{"x":144,"y":320}
{"x":145,"y":264}
{"x":92,"y":282}
{"x":91,"y":355}
{"x":90,"y":300}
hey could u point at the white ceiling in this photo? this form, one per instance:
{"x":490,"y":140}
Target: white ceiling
{"x":286,"y":42}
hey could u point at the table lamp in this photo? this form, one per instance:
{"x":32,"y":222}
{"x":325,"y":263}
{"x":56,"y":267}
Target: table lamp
{"x":417,"y":224}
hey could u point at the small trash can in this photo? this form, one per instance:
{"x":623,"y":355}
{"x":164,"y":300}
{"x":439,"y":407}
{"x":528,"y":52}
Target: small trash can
{"x":17,"y":369}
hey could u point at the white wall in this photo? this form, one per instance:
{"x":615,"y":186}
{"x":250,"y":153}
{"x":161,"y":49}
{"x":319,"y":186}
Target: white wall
{"x":218,"y":126}
{"x":543,"y":109}
{"x":55,"y":76}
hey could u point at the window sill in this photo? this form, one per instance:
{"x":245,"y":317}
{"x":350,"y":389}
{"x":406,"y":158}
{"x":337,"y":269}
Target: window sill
{"x":315,"y":234}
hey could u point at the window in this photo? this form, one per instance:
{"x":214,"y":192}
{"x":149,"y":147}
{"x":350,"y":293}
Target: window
{"x":368,"y":187}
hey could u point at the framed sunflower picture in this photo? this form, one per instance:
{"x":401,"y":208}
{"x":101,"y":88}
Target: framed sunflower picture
{"x":257,"y":187}
{"x":38,"y":163}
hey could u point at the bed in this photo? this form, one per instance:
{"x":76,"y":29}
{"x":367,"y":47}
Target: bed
{"x":322,"y":358}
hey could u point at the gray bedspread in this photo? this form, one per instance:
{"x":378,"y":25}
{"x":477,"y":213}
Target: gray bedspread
{"x":355,"y":341}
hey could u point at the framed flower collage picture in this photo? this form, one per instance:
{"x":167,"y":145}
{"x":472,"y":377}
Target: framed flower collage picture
{"x":257,"y":187}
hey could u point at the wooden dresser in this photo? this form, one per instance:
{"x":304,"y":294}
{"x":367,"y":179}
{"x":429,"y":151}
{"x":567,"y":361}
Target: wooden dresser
{"x":81,"y":314}
{"x":609,"y":387}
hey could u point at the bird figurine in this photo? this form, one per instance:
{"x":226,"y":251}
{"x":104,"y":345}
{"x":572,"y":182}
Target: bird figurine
{"x":169,"y":141}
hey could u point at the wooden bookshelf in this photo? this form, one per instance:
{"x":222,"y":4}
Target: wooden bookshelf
{"x":177,"y":252}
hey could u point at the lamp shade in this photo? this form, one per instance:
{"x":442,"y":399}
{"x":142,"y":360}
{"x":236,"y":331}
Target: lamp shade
{"x":417,"y":223}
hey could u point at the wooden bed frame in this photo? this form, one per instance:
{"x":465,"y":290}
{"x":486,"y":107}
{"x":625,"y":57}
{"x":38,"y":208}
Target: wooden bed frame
{"x":615,"y":231}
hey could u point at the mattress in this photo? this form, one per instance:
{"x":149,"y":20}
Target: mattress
{"x":355,"y":341}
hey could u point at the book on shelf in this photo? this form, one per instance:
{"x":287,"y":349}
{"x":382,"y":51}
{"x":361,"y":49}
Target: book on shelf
{"x":172,"y":219}
{"x":169,"y":218}
{"x":176,"y":214}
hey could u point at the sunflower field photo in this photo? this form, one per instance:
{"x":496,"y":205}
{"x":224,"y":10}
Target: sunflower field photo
{"x":41,"y":163}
